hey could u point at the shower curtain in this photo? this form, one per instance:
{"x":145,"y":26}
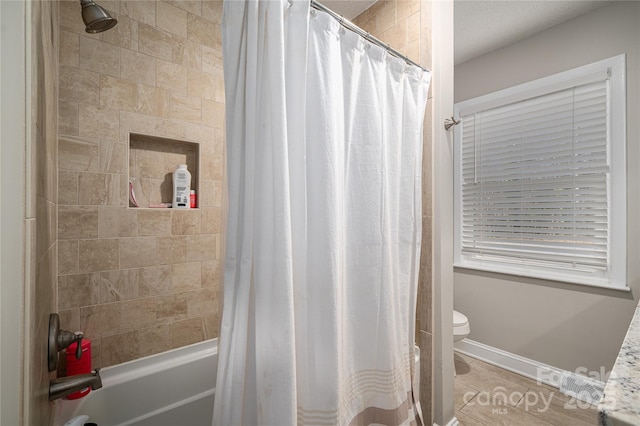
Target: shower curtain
{"x":324,"y":225}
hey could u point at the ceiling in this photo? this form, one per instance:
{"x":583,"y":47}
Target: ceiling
{"x":481,"y":26}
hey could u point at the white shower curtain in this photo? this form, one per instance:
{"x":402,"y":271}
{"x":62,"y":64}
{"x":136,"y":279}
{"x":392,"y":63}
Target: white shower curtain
{"x":324,"y":224}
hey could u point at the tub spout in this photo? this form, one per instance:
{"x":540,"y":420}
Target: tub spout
{"x":63,"y":386}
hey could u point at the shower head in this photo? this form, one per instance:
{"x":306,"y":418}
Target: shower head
{"x":95,"y":18}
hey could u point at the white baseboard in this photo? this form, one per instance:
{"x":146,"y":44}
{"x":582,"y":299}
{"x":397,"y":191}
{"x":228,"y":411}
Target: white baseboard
{"x":535,"y":370}
{"x":524,"y":366}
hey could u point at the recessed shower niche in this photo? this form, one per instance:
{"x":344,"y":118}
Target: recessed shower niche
{"x":152,"y":161}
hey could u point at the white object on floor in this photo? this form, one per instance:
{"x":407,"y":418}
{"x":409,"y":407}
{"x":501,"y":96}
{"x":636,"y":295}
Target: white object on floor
{"x":581,"y":387}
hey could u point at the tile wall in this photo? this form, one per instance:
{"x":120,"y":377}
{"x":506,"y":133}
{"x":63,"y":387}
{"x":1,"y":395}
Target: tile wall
{"x":41,"y":229}
{"x":406,"y":26}
{"x":138,"y":281}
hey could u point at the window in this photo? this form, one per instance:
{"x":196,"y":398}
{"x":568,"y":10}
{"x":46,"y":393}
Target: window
{"x":540,"y":178}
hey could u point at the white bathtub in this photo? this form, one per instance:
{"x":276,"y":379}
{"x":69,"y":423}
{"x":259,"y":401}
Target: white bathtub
{"x":172,"y":388}
{"x":168,"y":389}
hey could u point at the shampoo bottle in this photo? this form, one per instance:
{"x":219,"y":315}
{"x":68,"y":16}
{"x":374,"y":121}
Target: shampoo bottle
{"x":181,"y":187}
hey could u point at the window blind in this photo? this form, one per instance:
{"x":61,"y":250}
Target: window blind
{"x":534,"y":180}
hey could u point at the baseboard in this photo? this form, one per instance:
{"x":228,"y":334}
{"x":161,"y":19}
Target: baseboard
{"x":543,"y":373}
{"x":535,"y":370}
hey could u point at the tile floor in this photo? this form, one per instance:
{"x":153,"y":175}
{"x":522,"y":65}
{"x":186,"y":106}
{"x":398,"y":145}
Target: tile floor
{"x":489,"y":395}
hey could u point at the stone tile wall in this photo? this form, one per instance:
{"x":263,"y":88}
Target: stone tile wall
{"x":406,"y":26}
{"x":138,"y":281}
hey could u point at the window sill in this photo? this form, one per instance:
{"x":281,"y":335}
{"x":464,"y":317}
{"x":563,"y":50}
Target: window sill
{"x":544,"y":276}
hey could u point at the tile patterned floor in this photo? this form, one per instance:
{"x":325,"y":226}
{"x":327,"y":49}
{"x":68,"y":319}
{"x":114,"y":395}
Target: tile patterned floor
{"x":490,"y":396}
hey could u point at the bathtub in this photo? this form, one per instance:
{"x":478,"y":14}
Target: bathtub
{"x":168,"y":389}
{"x":176,"y":387}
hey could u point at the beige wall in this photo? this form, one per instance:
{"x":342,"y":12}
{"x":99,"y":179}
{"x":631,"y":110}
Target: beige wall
{"x":566,"y":326}
{"x":138,"y":281}
{"x":406,"y":26}
{"x":41,"y":233}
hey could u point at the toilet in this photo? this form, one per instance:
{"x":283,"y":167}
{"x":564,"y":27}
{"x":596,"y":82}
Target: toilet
{"x":461,"y":329}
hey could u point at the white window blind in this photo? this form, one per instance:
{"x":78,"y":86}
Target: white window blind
{"x":534,"y":181}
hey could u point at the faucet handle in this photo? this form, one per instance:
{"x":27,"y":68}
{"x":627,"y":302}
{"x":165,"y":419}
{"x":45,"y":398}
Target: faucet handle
{"x":59,"y":340}
{"x":66,"y":338}
{"x":78,"y":340}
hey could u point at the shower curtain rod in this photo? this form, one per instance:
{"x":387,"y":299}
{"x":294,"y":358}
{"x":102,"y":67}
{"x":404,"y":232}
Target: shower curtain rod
{"x":356,"y":29}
